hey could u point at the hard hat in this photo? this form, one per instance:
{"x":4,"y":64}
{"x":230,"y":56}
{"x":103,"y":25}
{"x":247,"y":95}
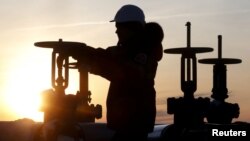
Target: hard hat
{"x":129,"y":13}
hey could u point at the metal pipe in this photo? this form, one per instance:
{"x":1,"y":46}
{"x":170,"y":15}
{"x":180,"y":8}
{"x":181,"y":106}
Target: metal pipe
{"x":188,"y":24}
{"x":219,"y":46}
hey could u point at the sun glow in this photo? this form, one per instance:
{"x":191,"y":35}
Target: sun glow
{"x":24,"y":86}
{"x":28,"y":74}
{"x":23,"y":95}
{"x":26,"y":81}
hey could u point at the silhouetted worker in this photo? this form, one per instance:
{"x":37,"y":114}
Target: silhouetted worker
{"x":130,"y":67}
{"x":153,"y":37}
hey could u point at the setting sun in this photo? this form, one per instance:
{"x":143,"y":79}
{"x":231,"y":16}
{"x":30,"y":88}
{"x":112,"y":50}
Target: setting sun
{"x":26,"y":81}
{"x":23,"y":88}
{"x":23,"y":95}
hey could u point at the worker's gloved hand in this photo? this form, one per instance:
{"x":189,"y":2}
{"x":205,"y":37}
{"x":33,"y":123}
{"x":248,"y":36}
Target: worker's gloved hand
{"x":84,"y":53}
{"x":78,"y":52}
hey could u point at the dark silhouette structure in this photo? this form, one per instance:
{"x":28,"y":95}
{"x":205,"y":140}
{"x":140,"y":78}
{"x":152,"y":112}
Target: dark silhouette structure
{"x":221,"y":112}
{"x":131,"y":68}
{"x":187,"y":110}
{"x":64,"y":111}
{"x":189,"y":113}
{"x":154,"y":36}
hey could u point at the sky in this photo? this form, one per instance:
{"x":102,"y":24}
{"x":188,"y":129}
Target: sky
{"x":25,"y":70}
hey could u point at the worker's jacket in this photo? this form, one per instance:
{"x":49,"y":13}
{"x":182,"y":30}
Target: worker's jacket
{"x":131,"y":95}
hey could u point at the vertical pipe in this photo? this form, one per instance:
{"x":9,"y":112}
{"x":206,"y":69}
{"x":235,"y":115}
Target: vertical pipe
{"x":188,"y":69}
{"x":53,"y":70}
{"x":83,"y":81}
{"x":219,"y":46}
{"x":84,"y":86}
{"x":188,"y":24}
